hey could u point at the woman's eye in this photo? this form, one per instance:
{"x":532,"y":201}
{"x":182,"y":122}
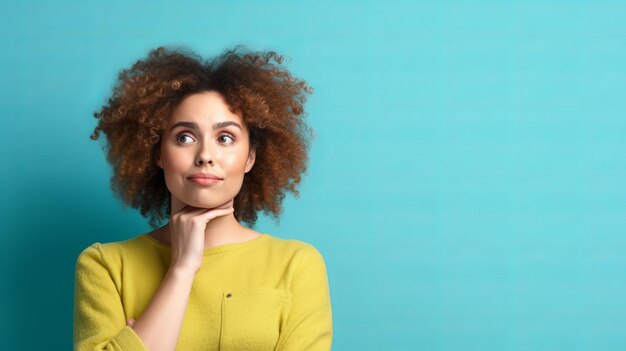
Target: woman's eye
{"x":225,"y":138}
{"x":182,"y":137}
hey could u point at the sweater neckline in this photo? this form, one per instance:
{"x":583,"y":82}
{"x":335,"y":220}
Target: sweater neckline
{"x":212,"y":250}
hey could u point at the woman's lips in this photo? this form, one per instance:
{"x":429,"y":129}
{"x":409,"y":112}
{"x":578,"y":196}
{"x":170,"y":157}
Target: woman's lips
{"x":204,"y":175}
{"x":204,"y":178}
{"x":205,"y":181}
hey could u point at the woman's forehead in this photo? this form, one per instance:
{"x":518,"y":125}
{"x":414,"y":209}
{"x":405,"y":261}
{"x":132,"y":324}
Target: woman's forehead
{"x":205,"y":109}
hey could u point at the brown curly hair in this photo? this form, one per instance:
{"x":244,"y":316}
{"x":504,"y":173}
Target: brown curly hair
{"x":254,"y":85}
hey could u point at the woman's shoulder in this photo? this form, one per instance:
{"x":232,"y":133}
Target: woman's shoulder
{"x":304,"y":259}
{"x":296,"y":244}
{"x":293,"y":247}
{"x":112,"y":252}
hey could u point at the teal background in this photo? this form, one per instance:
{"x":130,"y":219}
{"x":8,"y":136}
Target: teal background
{"x":467,"y":186}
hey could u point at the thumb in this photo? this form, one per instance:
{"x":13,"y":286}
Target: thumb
{"x":131,"y":322}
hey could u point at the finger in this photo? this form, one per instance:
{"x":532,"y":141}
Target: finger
{"x":194,"y":211}
{"x":227,"y":205}
{"x":198,"y":212}
{"x":211,"y":214}
{"x":190,"y":212}
{"x":131,"y":322}
{"x":186,"y":209}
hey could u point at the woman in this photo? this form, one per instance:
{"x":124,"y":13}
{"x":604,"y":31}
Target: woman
{"x":205,"y":145}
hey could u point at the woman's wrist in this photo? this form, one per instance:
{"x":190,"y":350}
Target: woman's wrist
{"x":182,"y":269}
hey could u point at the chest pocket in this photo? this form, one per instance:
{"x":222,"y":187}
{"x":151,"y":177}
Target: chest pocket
{"x":252,"y":318}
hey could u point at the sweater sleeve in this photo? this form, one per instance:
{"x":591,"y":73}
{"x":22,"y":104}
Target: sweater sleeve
{"x":99,"y":320}
{"x":309,"y":324}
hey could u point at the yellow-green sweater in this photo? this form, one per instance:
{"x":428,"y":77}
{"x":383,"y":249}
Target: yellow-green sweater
{"x":264,"y":294}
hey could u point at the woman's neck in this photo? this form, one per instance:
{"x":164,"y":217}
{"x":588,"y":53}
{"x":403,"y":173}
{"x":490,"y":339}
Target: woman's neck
{"x":219,"y":231}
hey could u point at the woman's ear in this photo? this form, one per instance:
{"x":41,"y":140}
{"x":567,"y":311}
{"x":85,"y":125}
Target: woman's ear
{"x":157,"y":159}
{"x":251,"y":159}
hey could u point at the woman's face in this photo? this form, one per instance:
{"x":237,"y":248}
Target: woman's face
{"x":204,"y":138}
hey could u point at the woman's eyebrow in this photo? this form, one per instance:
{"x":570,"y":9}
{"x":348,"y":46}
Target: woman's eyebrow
{"x":193,"y":125}
{"x":224,"y":124}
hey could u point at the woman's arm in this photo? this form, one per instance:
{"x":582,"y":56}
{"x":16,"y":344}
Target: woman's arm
{"x":160,"y":324}
{"x":99,"y":318}
{"x":310,"y":324}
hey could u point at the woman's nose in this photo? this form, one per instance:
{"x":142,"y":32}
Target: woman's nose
{"x":204,"y":156}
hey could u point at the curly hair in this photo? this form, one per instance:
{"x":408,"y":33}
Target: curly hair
{"x":254,"y":85}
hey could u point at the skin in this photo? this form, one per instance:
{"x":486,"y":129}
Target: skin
{"x":202,"y":215}
{"x":185,"y":151}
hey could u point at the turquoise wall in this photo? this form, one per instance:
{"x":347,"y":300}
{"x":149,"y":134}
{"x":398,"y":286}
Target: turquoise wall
{"x":467,"y":186}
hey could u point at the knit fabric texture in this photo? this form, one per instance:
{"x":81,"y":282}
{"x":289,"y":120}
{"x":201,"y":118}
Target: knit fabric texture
{"x":267,"y":293}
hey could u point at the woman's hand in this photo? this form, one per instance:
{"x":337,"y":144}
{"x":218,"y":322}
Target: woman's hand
{"x":187,"y":234}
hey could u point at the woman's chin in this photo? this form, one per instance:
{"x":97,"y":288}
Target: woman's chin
{"x":200,"y":202}
{"x":209,"y":205}
{"x":203,"y":205}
